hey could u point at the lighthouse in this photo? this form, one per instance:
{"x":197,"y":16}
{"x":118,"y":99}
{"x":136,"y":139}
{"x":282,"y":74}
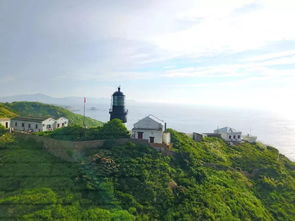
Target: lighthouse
{"x":117,"y":109}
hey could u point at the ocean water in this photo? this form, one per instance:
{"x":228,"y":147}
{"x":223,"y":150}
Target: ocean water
{"x":271,"y":128}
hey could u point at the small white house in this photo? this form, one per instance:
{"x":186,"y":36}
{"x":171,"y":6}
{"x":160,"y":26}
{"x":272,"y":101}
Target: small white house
{"x":229,"y":134}
{"x":35,"y":124}
{"x":151,"y":129}
{"x":61,"y":122}
{"x":249,"y":138}
{"x":5,"y":122}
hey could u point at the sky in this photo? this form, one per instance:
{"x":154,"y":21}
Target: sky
{"x":209,"y":52}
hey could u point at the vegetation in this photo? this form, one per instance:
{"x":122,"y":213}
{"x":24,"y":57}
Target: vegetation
{"x":206,"y":180}
{"x":34,"y":185}
{"x":37,"y":109}
{"x":5,"y":112}
{"x":111,"y":130}
{"x":2,"y":129}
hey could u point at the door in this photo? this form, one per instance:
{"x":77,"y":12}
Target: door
{"x":152,"y":139}
{"x":6,"y":124}
{"x":139,"y":135}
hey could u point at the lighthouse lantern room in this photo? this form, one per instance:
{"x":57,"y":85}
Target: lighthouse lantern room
{"x":117,"y":109}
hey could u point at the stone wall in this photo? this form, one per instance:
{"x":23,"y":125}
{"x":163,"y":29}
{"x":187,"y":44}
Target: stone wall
{"x":66,"y":150}
{"x":73,"y":151}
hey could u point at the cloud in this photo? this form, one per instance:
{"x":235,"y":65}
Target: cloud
{"x":170,"y":44}
{"x":269,"y":56}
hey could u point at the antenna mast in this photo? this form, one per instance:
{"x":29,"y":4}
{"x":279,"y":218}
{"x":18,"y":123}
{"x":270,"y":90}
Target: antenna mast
{"x":84,"y":113}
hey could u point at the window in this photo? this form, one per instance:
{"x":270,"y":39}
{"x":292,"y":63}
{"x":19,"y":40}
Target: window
{"x":229,"y":136}
{"x":6,"y":124}
{"x":152,"y":139}
{"x":139,"y":135}
{"x":15,"y":124}
{"x":62,"y":124}
{"x":23,"y":124}
{"x":57,"y":125}
{"x":239,"y":136}
{"x":29,"y":125}
{"x":234,"y":136}
{"x":48,"y":126}
{"x":36,"y":126}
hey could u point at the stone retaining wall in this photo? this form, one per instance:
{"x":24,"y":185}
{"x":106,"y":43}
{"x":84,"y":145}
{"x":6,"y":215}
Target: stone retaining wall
{"x":73,"y":151}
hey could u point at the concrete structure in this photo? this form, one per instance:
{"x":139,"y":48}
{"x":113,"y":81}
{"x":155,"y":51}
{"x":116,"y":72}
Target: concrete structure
{"x":5,"y":122}
{"x":229,"y":134}
{"x":197,"y":137}
{"x":212,"y":135}
{"x":61,"y":122}
{"x":151,"y":129}
{"x":249,"y":138}
{"x":37,"y":124}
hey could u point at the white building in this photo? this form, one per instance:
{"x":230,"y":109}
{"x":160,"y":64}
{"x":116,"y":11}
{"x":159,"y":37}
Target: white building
{"x":5,"y":122}
{"x":61,"y":122}
{"x":36,"y":124}
{"x":151,"y":129}
{"x":249,"y":138}
{"x":229,"y":134}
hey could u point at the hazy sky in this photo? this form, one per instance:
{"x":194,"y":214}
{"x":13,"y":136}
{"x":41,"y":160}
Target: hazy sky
{"x":224,"y":52}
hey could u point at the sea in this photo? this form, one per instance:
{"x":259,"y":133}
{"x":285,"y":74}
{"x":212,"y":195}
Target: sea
{"x":271,"y":128}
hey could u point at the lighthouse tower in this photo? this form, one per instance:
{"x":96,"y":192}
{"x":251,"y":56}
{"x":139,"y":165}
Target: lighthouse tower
{"x":118,"y":106}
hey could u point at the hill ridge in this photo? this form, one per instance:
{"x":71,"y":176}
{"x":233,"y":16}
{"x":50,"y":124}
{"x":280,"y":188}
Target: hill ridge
{"x":38,"y":109}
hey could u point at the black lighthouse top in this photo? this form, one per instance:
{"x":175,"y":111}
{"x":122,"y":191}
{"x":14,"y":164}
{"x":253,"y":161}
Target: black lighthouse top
{"x":118,"y":106}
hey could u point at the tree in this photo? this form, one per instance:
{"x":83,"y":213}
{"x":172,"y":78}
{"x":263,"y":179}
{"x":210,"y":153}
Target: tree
{"x":114,"y":129}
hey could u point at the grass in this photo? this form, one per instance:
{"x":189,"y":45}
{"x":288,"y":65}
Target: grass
{"x":5,"y":112}
{"x":36,"y":109}
{"x":208,"y":180}
{"x":36,"y":185}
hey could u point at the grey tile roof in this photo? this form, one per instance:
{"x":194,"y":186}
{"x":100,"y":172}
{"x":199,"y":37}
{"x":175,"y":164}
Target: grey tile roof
{"x":31,"y":119}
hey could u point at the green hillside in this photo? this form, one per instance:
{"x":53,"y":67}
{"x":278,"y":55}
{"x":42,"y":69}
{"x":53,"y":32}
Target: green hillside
{"x":206,"y":180}
{"x":37,"y":109}
{"x":34,"y":185}
{"x":5,"y":112}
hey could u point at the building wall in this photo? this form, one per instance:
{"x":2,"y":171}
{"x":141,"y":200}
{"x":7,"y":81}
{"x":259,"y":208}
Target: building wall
{"x":237,"y":136}
{"x":166,"y":138}
{"x":197,"y":136}
{"x":73,"y":150}
{"x":250,"y":139}
{"x":5,"y":123}
{"x":31,"y":126}
{"x":212,"y":135}
{"x":148,"y":123}
{"x":61,"y":122}
{"x":26,"y":126}
{"x":48,"y":124}
{"x":157,"y":134}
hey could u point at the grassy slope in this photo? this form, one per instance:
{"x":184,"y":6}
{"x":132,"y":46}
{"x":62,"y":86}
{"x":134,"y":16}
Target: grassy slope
{"x":206,"y":180}
{"x":5,"y":112}
{"x":36,"y":185}
{"x":39,"y":109}
{"x":256,"y":170}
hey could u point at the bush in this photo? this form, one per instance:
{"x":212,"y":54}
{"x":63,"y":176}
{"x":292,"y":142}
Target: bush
{"x":2,"y":129}
{"x":112,"y":130}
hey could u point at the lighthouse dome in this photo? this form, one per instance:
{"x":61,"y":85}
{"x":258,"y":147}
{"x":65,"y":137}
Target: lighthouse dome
{"x":118,"y":93}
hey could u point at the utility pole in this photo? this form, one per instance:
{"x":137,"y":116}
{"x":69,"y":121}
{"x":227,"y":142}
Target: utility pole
{"x":84,"y":113}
